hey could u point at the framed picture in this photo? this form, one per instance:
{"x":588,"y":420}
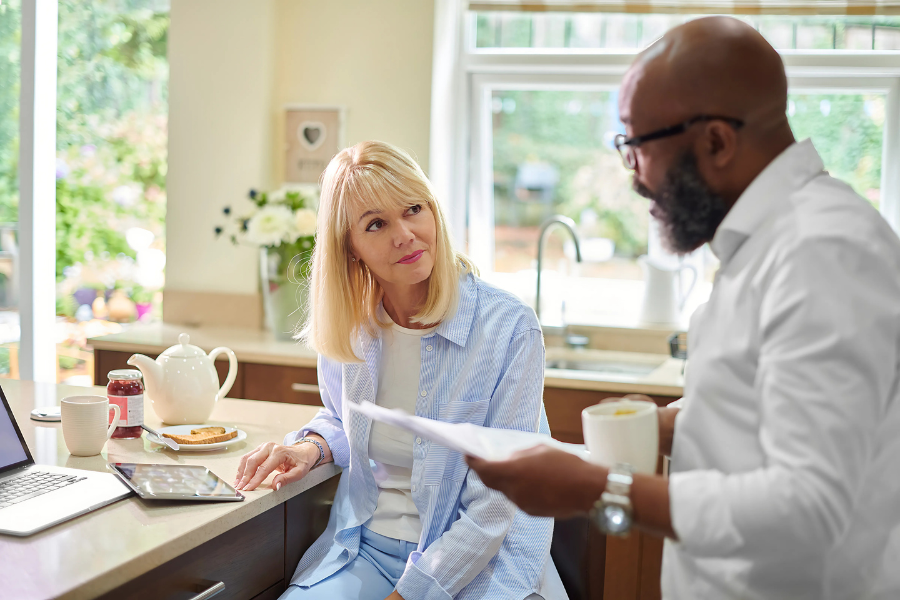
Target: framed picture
{"x":313,"y":135}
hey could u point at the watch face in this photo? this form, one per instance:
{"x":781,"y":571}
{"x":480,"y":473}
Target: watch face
{"x":617,"y":519}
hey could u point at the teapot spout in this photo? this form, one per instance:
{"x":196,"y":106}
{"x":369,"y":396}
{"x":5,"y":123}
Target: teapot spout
{"x":151,"y":370}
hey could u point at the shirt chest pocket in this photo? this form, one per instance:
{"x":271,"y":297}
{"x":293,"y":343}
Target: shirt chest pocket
{"x":464,"y":411}
{"x":447,"y":464}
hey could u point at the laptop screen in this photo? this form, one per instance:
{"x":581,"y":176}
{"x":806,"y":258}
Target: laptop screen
{"x":12,"y":448}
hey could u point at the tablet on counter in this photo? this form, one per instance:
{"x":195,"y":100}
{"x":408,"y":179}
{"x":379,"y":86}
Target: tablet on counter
{"x":175,"y":482}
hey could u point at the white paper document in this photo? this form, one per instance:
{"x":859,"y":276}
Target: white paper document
{"x":482,"y":442}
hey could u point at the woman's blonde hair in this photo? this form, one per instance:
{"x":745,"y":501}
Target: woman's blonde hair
{"x":344,"y":296}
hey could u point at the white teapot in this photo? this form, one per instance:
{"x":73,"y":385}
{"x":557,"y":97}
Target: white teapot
{"x":182,"y":383}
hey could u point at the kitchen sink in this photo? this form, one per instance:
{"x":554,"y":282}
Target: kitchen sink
{"x":603,"y":364}
{"x":604,"y":367}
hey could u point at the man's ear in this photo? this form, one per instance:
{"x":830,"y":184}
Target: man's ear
{"x":719,"y":143}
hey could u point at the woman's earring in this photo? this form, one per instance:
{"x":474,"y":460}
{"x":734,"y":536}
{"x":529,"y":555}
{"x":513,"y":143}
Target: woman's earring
{"x":353,"y":258}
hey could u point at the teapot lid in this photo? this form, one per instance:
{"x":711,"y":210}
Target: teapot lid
{"x":183,"y":349}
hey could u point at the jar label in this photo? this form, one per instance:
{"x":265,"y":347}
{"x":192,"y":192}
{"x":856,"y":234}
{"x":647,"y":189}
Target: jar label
{"x":131,"y":410}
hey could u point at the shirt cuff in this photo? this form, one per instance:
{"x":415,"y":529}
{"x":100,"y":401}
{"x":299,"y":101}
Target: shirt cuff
{"x":333,"y":436}
{"x":701,"y":514}
{"x":415,"y":583}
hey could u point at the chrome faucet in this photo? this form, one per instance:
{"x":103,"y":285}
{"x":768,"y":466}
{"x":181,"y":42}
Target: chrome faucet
{"x":545,"y":229}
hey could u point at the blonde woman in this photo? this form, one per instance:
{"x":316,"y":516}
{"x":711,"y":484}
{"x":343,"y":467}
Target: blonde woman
{"x":399,"y":318}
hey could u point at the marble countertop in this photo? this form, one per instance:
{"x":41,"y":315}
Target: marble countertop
{"x":256,"y":346}
{"x":95,"y":553}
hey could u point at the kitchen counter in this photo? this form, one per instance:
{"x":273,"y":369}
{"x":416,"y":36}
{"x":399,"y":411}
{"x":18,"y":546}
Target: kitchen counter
{"x":256,"y":346}
{"x":249,"y":345}
{"x":102,"y":550}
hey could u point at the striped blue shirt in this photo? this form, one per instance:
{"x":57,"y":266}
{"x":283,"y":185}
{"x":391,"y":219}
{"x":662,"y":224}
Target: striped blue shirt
{"x":485,"y":366}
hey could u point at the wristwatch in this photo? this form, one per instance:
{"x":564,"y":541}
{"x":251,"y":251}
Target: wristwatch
{"x":318,"y":445}
{"x":612,"y":513}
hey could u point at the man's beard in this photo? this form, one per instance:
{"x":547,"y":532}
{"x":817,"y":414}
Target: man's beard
{"x":687,"y":210}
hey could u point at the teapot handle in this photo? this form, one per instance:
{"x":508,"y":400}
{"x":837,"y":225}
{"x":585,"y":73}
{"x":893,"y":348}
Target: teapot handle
{"x":686,"y":295}
{"x":232,"y":369}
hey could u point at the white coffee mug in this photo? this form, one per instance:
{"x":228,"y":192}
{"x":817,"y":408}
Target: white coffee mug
{"x":84,"y":423}
{"x":623,"y":431}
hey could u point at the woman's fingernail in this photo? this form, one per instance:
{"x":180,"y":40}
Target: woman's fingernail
{"x":277,"y":486}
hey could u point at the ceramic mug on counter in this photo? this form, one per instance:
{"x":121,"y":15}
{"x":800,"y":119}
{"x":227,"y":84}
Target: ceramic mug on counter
{"x":85,"y":423}
{"x":623,"y":431}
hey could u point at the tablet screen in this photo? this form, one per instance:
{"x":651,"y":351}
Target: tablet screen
{"x":175,"y":481}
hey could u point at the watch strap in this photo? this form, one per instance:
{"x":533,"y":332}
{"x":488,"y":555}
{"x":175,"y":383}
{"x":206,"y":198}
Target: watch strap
{"x":617,"y":493}
{"x":318,"y":445}
{"x":619,"y":480}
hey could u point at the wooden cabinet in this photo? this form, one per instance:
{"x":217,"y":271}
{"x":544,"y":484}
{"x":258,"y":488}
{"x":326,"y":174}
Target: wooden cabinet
{"x":248,"y":560}
{"x":255,"y":560}
{"x":254,"y":381}
{"x":278,"y":383}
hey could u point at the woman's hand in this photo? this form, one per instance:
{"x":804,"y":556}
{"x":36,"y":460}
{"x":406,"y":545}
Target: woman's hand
{"x":395,"y":595}
{"x":293,"y":463}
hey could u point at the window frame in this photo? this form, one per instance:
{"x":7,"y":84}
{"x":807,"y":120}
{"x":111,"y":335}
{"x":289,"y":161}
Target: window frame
{"x":461,"y":158}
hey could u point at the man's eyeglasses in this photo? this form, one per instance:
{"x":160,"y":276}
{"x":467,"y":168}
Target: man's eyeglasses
{"x":627,"y":146}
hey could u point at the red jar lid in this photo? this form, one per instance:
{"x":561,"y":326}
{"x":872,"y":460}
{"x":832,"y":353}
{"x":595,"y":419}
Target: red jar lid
{"x":124,"y":375}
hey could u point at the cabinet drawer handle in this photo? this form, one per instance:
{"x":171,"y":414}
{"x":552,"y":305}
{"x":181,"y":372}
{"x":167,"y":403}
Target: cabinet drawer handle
{"x":309,"y":388}
{"x":211,"y":591}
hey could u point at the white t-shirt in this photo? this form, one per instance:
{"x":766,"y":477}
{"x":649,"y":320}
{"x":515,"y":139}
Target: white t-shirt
{"x":390,"y":448}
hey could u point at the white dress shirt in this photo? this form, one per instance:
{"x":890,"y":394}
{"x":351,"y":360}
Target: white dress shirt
{"x":391,"y":448}
{"x":785,"y":473}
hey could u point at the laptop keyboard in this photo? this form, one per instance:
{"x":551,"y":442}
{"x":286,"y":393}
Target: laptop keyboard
{"x":34,"y":483}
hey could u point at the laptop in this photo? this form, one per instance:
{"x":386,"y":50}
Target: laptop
{"x":35,"y":497}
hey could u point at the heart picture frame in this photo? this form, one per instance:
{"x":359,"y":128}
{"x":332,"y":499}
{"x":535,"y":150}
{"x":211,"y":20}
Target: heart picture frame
{"x":312,"y":134}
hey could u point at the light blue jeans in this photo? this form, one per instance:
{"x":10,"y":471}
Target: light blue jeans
{"x":372,"y":575}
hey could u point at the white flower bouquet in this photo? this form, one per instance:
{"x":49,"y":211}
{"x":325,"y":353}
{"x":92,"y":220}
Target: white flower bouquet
{"x":283,"y":223}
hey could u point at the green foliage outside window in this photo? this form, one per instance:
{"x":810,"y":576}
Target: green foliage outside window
{"x":10,"y":48}
{"x":111,"y":122}
{"x":568,"y":131}
{"x":847,"y":131}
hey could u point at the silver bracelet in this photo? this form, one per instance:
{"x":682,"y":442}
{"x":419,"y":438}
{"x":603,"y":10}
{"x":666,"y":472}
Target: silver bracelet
{"x":318,"y":445}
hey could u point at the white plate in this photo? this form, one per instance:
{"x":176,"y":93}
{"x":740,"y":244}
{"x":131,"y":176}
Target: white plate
{"x":186,"y":430}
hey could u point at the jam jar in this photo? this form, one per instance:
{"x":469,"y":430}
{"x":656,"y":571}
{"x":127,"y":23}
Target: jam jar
{"x":126,"y":389}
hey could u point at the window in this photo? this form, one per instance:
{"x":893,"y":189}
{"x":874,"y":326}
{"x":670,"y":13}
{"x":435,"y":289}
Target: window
{"x":111,"y":110}
{"x":542,"y":109}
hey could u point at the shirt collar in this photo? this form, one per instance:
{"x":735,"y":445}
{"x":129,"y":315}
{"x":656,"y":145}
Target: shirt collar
{"x":456,"y":329}
{"x":790,"y":171}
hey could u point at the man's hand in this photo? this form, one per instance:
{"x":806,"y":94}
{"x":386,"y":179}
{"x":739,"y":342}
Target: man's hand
{"x":666,"y":418}
{"x":666,"y":429}
{"x":544,"y":481}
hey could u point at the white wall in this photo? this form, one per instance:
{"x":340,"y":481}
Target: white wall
{"x":220,"y":94}
{"x":374,"y":58}
{"x":234,"y":64}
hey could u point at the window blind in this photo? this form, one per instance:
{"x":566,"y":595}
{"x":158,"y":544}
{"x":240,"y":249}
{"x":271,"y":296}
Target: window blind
{"x":736,"y":7}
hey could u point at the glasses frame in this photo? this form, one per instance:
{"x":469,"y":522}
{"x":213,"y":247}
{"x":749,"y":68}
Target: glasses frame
{"x":626,"y":146}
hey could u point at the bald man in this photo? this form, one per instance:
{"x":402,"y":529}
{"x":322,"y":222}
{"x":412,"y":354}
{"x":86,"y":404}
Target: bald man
{"x":785,"y":472}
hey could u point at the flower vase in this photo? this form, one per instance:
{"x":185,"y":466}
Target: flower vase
{"x":284,"y":294}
